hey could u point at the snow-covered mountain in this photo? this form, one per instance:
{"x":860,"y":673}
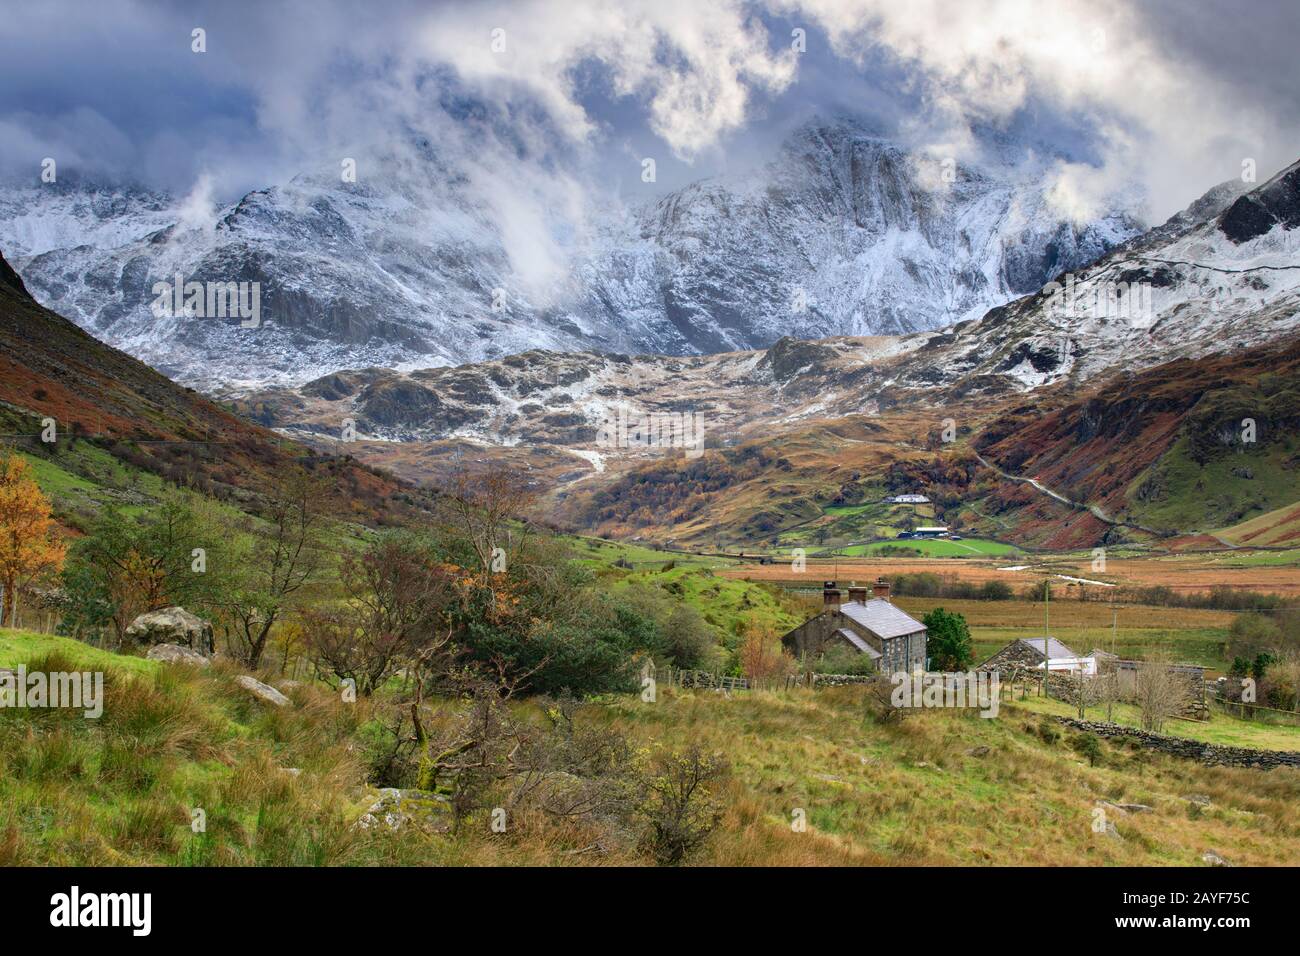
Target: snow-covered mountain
{"x":1220,"y":277}
{"x":843,"y":233}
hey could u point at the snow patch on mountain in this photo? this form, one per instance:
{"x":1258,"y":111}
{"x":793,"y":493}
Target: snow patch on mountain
{"x":843,"y":233}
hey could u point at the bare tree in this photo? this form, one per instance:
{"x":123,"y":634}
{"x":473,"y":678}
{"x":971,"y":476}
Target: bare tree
{"x":680,"y":807}
{"x":283,"y":561}
{"x":397,"y":606}
{"x":1162,"y":692}
{"x":762,"y":659}
{"x":880,"y":704}
{"x":481,"y":749}
{"x":488,"y":509}
{"x":1084,"y":690}
{"x":1108,"y":685}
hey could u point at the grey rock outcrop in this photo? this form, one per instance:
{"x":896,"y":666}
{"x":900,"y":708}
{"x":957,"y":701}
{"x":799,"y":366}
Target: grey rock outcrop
{"x":262,"y":691}
{"x":172,"y":625}
{"x":396,"y":809}
{"x":176,"y":654}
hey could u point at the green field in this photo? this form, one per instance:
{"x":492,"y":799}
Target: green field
{"x":849,"y":509}
{"x":935,"y":547}
{"x":1219,"y":729}
{"x":1190,"y":635}
{"x":1256,"y":559}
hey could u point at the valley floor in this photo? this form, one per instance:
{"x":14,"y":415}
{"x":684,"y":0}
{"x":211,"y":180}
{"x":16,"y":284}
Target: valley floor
{"x":1276,"y":572}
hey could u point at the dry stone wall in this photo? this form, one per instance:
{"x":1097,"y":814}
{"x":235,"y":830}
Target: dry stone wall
{"x":1214,"y":755}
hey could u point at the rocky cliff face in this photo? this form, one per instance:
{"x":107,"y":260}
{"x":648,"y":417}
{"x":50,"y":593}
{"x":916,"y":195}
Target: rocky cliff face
{"x":1205,"y":294}
{"x":1221,"y":276}
{"x":843,"y":233}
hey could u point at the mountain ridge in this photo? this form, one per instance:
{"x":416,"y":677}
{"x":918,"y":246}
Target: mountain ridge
{"x":842,"y":233}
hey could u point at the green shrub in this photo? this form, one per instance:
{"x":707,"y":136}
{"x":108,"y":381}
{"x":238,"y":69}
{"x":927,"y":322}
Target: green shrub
{"x":1088,"y":746}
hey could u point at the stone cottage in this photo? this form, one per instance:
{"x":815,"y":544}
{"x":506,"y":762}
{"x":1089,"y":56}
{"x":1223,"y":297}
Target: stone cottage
{"x":873,"y":626}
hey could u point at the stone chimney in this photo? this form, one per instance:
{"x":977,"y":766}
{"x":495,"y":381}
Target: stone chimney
{"x":857,"y":594}
{"x":880,"y":589}
{"x":830,"y":595}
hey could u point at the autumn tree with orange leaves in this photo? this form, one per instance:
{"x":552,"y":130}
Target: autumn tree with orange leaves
{"x":30,"y":545}
{"x":762,"y":659}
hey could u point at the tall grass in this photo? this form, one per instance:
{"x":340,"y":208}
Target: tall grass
{"x":940,"y":787}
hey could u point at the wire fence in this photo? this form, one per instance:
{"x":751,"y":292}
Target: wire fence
{"x":1256,"y":712}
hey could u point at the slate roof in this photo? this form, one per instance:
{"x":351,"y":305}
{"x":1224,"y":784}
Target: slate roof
{"x":1055,"y":648}
{"x":882,"y":618}
{"x":859,"y":643}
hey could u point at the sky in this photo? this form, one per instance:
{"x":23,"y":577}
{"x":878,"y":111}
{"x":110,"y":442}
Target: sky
{"x":545,"y":104}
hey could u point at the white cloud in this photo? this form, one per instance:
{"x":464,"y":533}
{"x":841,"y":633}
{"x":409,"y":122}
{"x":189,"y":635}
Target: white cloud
{"x":1163,"y":121}
{"x":695,"y":65}
{"x":198,"y":209}
{"x":1174,"y":98}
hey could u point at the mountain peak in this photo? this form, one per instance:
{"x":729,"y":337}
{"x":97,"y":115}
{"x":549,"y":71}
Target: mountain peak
{"x":1257,"y":212}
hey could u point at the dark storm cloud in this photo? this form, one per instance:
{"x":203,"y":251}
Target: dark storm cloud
{"x":1176,"y":97}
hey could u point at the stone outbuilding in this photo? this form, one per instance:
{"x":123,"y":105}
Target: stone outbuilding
{"x":1026,"y":653}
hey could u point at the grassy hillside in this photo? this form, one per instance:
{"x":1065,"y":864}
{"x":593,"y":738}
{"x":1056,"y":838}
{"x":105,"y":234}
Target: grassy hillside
{"x":123,"y":429}
{"x":1158,"y":452}
{"x":729,"y":605}
{"x":1280,"y":527}
{"x":1166,"y":448}
{"x":81,"y":479}
{"x":122,"y":789}
{"x":1233,"y":487}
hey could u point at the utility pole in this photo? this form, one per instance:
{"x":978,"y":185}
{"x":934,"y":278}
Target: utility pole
{"x":1112,"y":688}
{"x":1047,"y":630}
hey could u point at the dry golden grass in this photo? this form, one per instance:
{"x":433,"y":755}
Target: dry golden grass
{"x":912,"y":795}
{"x":1195,"y":573}
{"x":121,"y":791}
{"x":1067,"y":614}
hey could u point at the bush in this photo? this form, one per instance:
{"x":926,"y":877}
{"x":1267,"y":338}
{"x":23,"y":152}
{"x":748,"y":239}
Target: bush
{"x":1252,"y":633}
{"x":1261,"y":664}
{"x":562,"y":658}
{"x":844,"y":660}
{"x":996,"y":591}
{"x":1089,"y":746}
{"x":679,"y":807}
{"x":686,"y":640}
{"x":763,"y":662}
{"x":929,"y":584}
